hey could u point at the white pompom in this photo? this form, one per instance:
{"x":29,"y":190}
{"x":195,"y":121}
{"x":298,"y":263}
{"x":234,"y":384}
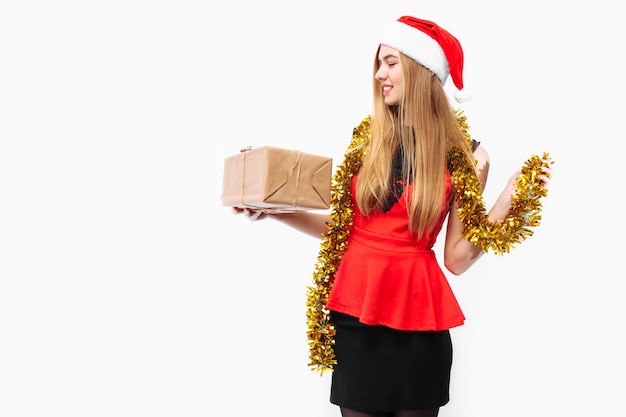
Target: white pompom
{"x":462,"y":96}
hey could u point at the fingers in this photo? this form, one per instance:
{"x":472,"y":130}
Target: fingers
{"x":251,"y":214}
{"x":547,"y":165}
{"x":546,"y":170}
{"x":545,"y":179}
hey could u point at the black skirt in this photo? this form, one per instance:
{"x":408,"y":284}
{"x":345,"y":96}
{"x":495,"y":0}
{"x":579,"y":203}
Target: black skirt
{"x":382,"y":369}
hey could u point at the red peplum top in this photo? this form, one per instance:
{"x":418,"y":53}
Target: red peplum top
{"x":388,"y":277}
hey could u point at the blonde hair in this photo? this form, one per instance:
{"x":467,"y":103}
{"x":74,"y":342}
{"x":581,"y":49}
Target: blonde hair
{"x":422,"y":125}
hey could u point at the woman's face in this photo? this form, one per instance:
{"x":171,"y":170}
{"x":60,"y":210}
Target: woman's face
{"x":389,"y":74}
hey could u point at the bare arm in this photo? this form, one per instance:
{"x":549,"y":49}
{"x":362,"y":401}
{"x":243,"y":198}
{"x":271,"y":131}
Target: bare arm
{"x":459,"y":253}
{"x":309,"y":223}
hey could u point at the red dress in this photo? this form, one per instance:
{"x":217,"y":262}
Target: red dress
{"x":388,"y":277}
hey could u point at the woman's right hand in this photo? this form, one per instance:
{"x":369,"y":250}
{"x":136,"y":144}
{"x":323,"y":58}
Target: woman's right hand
{"x":251,"y":214}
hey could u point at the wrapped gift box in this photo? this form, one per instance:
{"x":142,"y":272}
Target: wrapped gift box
{"x":275,"y":179}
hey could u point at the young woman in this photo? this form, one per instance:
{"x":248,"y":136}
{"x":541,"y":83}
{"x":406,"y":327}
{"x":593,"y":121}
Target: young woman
{"x":390,"y":305}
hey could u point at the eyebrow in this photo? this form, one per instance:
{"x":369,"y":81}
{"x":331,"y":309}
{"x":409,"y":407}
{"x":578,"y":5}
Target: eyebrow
{"x":386,"y":57}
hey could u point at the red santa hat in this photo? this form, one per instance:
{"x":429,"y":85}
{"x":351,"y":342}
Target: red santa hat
{"x":430,"y":45}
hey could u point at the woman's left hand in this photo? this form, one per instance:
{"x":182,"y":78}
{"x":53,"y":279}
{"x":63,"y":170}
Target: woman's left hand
{"x":546,"y":170}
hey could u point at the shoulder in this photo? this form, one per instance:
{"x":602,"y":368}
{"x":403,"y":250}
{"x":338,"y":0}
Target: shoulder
{"x":482,"y":164}
{"x":481,"y":155}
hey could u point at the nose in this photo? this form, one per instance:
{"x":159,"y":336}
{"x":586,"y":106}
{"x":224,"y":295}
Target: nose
{"x":380,"y":74}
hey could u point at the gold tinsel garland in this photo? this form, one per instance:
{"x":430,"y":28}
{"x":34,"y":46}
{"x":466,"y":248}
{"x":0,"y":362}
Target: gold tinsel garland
{"x":320,"y":331}
{"x":499,"y":237}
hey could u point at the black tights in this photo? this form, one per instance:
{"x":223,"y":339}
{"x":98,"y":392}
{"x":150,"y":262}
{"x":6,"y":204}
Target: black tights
{"x":346,"y":412}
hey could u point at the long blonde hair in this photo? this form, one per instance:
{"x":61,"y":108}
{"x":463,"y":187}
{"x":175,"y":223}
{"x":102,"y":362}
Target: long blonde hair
{"x":422,"y":125}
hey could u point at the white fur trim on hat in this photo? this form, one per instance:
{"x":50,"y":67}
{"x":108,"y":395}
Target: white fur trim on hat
{"x":418,"y":46}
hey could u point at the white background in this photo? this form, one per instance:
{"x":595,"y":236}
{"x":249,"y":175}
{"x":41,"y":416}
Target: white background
{"x":126,"y":289}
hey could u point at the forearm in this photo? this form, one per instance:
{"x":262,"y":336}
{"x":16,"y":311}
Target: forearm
{"x":500,"y":209}
{"x":460,"y":253}
{"x":312,"y":224}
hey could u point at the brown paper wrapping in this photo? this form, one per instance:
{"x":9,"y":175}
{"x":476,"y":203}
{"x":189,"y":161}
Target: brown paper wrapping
{"x":275,"y":179}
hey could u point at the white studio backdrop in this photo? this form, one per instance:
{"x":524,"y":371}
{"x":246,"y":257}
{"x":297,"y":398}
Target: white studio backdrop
{"x":126,"y":289}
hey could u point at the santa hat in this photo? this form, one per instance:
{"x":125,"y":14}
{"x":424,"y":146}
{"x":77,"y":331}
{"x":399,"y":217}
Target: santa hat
{"x":430,"y":45}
